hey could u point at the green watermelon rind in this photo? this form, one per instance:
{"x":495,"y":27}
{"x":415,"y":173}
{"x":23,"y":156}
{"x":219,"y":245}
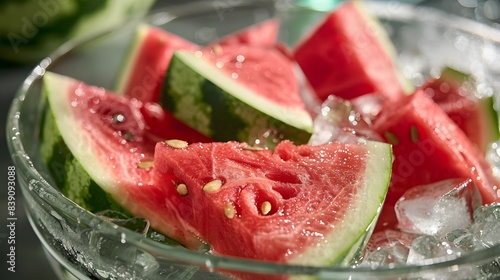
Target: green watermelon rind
{"x":490,"y":119}
{"x":223,"y":109}
{"x":358,"y":223}
{"x":76,"y":184}
{"x":73,"y":181}
{"x":54,"y":87}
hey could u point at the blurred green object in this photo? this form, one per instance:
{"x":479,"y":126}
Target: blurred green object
{"x":319,"y":5}
{"x":32,"y":29}
{"x":329,"y":5}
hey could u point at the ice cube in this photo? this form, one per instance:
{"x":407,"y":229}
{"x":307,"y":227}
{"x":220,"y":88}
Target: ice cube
{"x":139,"y":225}
{"x":339,"y":121}
{"x":387,"y":248}
{"x":462,"y":239}
{"x":438,"y":208}
{"x":426,"y":249}
{"x":491,"y":270}
{"x":487,"y":213}
{"x":486,"y":234}
{"x":390,"y":256}
{"x":368,"y":105}
{"x":389,"y":237}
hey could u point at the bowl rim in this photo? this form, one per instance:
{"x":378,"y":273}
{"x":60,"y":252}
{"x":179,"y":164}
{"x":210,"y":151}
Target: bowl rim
{"x":43,"y":189}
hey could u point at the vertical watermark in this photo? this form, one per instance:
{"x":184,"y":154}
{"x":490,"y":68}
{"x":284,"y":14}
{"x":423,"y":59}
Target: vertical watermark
{"x":11,"y":218}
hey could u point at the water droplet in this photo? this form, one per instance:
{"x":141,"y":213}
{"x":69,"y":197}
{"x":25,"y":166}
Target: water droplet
{"x":118,"y":118}
{"x":209,"y":265}
{"x":39,"y":71}
{"x":268,"y":139}
{"x":102,"y":273}
{"x":123,"y":238}
{"x":461,"y":43}
{"x":240,"y":58}
{"x":56,"y":215}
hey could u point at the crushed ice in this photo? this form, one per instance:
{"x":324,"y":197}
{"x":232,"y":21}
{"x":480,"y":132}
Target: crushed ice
{"x":437,"y":222}
{"x":339,"y":120}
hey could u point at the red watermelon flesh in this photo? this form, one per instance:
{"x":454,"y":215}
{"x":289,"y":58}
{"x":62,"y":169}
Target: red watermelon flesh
{"x":263,"y":34}
{"x":476,"y":117}
{"x":348,"y":56}
{"x":162,"y":125}
{"x":106,"y":134}
{"x":151,"y":55}
{"x":428,"y":147}
{"x":266,"y":71}
{"x":270,"y":206}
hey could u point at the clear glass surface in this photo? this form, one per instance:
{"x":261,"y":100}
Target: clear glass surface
{"x":88,"y":246}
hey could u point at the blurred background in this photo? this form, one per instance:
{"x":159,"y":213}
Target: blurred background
{"x":30,"y":258}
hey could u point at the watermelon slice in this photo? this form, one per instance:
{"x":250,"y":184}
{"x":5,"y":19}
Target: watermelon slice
{"x":429,"y":147}
{"x":237,"y":93}
{"x":147,"y":61}
{"x":152,"y":48}
{"x":308,"y":205}
{"x":271,"y":204}
{"x":263,"y":34}
{"x":475,"y":116}
{"x":348,"y":55}
{"x":95,"y":145}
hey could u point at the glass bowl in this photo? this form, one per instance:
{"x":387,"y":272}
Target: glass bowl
{"x":86,"y":246}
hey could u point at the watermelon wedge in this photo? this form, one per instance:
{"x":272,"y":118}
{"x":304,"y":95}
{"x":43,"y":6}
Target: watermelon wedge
{"x":237,"y":93}
{"x":429,"y":147}
{"x":152,"y":48}
{"x":348,"y":54}
{"x":147,"y":61}
{"x":453,"y":92}
{"x":97,"y":150}
{"x":308,"y":205}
